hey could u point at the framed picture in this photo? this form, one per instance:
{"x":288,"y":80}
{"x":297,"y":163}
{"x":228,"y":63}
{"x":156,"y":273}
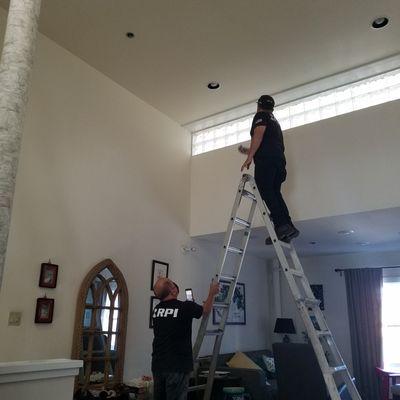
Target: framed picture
{"x":159,"y":270}
{"x":318,"y":291}
{"x":48,"y":275}
{"x":44,"y":310}
{"x":153,"y":302}
{"x":237,"y":310}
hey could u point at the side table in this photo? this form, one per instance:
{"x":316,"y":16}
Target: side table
{"x":387,"y":379}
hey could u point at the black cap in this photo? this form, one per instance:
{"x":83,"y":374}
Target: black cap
{"x":266,"y":102}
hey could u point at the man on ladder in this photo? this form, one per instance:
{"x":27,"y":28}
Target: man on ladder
{"x":268,"y":152}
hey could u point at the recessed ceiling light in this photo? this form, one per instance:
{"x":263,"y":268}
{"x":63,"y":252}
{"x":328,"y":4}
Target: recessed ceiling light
{"x":346,"y":232}
{"x":213,"y":85}
{"x":364,"y":243}
{"x":380,"y":22}
{"x":130,"y":35}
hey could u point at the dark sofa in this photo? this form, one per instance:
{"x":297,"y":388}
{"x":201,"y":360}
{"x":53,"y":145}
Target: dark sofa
{"x":254,"y":381}
{"x":298,"y":373}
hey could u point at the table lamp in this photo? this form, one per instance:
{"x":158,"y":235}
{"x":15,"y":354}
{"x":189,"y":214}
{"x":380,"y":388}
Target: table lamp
{"x":285,"y":326}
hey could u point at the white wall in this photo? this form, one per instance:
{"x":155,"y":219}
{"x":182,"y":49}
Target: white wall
{"x":101,"y":175}
{"x":320,"y":270}
{"x":337,"y":166}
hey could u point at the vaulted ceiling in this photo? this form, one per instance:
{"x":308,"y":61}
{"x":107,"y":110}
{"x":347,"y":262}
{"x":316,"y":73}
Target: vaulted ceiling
{"x":250,"y":47}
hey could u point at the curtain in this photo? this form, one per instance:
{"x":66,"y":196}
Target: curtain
{"x":364,"y":304}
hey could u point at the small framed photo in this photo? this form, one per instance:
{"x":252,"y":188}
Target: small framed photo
{"x":237,"y":309}
{"x":318,"y":291}
{"x":159,"y":270}
{"x":44,"y":311}
{"x":153,"y":302}
{"x":48,"y":275}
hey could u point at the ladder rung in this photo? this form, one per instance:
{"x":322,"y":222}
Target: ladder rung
{"x":324,"y":333}
{"x":295,"y":272}
{"x":246,"y":193}
{"x":284,"y":244}
{"x":309,"y":302}
{"x":227,"y":278}
{"x":195,"y":388}
{"x":214,"y":332}
{"x":222,"y":305}
{"x":242,"y":222}
{"x":339,"y":368}
{"x":235,"y":250}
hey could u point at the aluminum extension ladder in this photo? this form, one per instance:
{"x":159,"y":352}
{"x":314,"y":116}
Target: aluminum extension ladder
{"x":326,"y":351}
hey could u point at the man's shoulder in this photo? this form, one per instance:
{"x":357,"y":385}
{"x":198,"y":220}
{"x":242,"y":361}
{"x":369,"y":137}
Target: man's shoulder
{"x":170,"y":303}
{"x":260,"y":117}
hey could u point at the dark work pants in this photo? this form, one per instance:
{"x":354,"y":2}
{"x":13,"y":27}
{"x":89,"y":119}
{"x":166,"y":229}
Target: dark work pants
{"x":269,"y":175}
{"x":170,"y":385}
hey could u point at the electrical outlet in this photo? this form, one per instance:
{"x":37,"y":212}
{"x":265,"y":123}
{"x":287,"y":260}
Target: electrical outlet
{"x":14,"y":318}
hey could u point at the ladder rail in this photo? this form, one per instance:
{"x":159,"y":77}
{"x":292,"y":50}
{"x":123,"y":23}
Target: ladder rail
{"x":220,"y":264}
{"x":230,"y":229}
{"x":239,"y":263}
{"x":232,"y":287}
{"x":307,"y":304}
{"x":311,"y":331}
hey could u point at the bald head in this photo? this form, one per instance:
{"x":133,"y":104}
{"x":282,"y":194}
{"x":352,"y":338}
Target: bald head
{"x":165,"y":289}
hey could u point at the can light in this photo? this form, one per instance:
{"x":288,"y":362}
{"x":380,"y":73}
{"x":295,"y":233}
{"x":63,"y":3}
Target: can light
{"x":346,"y":232}
{"x":380,"y":22}
{"x":213,"y":85}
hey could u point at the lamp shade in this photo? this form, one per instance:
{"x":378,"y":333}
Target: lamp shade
{"x":284,"y":325}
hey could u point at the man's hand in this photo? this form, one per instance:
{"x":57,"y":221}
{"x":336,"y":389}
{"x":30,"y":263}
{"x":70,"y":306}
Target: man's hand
{"x":247,"y":163}
{"x":243,"y":150}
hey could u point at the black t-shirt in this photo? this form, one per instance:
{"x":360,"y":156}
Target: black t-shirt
{"x":172,"y":344}
{"x":272,"y":145}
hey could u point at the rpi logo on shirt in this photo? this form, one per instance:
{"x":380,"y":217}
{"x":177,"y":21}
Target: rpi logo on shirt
{"x":165,"y":312}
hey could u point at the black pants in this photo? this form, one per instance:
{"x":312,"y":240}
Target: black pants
{"x":170,"y":385}
{"x":269,"y":175}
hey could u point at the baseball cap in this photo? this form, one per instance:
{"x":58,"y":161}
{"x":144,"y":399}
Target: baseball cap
{"x":266,"y":101}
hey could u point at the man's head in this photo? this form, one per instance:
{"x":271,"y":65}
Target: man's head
{"x":265,"y":102}
{"x":165,"y":289}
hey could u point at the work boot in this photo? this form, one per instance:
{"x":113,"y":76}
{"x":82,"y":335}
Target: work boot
{"x":285,"y":233}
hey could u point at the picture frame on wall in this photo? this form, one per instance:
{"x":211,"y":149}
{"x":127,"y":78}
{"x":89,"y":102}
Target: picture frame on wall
{"x":153,"y":303}
{"x":48,"y":275}
{"x":237,"y":310}
{"x":318,"y":291}
{"x":159,"y":270}
{"x":44,"y":310}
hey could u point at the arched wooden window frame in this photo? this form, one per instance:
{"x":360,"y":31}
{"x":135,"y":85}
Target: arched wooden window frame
{"x":122,"y":322}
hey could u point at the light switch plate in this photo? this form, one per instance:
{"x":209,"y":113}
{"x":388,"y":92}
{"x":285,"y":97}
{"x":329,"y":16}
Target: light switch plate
{"x":14,"y":318}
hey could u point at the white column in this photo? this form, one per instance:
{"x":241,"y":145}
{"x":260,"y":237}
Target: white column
{"x":15,"y":68}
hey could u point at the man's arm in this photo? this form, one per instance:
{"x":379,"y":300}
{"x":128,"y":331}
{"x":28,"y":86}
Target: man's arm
{"x":208,"y":304}
{"x":255,"y":144}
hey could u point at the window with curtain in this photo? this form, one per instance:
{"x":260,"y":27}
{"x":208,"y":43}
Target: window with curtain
{"x":391,"y":322}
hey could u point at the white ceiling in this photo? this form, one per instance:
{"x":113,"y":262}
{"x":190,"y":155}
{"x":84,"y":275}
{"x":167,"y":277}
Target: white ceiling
{"x":379,"y":228}
{"x":251,"y":47}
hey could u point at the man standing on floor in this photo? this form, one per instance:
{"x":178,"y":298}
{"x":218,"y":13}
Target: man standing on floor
{"x":172,"y":360}
{"x":268,"y":152}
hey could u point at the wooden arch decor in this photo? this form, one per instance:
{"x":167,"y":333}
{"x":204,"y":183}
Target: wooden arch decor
{"x":100,"y":327}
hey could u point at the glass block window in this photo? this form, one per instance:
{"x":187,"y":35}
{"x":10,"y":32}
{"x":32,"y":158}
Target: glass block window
{"x":345,"y":99}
